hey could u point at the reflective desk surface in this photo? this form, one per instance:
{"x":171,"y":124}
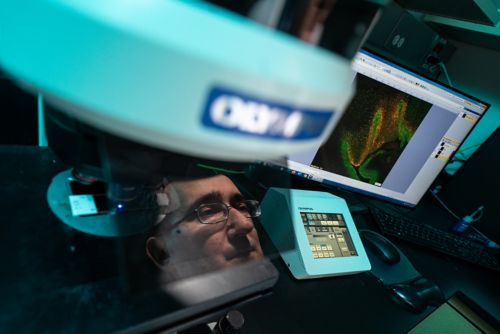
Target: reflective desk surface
{"x":345,"y":304}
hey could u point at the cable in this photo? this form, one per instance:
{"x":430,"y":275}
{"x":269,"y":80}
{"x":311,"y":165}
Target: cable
{"x":445,"y":71}
{"x":465,"y":223}
{"x":443,"y":204}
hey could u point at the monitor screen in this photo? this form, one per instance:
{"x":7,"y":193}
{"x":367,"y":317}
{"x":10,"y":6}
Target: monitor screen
{"x":395,"y":137}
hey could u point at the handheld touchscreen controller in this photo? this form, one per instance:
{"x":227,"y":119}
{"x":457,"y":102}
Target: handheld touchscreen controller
{"x":314,"y":233}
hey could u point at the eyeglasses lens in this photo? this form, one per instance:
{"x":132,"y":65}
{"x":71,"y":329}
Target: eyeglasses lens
{"x":217,"y":212}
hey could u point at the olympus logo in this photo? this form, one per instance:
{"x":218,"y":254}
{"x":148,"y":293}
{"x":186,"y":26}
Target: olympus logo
{"x":254,"y":117}
{"x":229,"y":111}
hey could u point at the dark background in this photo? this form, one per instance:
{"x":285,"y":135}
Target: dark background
{"x":19,"y":125}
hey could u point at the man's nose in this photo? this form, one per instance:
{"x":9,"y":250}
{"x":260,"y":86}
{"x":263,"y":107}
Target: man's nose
{"x":238,"y":223}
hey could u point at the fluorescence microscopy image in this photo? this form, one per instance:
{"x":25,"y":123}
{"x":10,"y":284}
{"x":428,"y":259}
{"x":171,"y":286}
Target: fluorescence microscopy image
{"x":372,"y":133}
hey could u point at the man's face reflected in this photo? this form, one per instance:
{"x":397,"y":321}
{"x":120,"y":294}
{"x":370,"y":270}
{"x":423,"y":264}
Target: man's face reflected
{"x":191,"y":246}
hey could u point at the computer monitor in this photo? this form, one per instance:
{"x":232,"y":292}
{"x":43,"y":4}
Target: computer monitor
{"x":395,"y":137}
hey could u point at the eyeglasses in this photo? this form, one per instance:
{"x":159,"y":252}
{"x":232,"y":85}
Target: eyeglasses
{"x":214,"y":213}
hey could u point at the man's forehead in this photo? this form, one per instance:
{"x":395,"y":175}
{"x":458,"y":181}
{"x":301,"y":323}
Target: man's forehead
{"x":190,"y":191}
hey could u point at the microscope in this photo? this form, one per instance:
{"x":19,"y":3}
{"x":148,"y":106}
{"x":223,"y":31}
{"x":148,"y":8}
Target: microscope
{"x":138,"y":93}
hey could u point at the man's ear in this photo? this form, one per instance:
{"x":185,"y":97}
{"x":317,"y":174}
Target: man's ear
{"x":155,"y":249}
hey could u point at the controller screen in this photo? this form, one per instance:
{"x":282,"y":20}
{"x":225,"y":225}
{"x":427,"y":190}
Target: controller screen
{"x":328,"y":235}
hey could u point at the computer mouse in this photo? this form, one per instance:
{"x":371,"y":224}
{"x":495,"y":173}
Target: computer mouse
{"x":380,"y":246}
{"x":417,"y":294}
{"x":407,"y":296}
{"x":429,"y":291}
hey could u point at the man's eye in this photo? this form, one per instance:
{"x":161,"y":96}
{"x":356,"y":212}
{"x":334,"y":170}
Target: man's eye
{"x":209,"y":210}
{"x":211,"y":214}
